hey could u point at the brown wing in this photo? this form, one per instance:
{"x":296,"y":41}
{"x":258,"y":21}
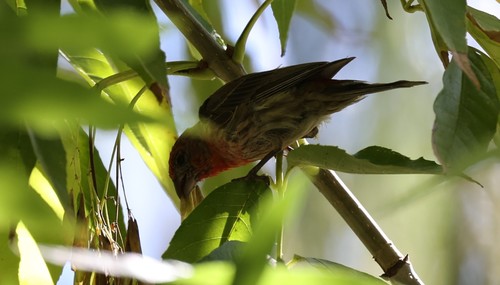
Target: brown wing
{"x":253,"y":88}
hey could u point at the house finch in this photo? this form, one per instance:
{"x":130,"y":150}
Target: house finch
{"x":257,"y":115}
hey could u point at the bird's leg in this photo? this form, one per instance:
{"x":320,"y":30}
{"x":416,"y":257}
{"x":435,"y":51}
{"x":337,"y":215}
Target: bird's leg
{"x":258,"y":166}
{"x":252,"y":174}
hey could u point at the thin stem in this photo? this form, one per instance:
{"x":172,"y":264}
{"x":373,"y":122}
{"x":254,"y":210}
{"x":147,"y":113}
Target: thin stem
{"x":173,"y":68}
{"x":239,"y":47}
{"x":409,"y":7}
{"x":280,"y":187}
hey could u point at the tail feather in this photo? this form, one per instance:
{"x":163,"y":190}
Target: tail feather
{"x":342,"y":93}
{"x":359,"y":88}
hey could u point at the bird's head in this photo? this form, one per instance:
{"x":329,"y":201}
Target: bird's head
{"x":189,"y":163}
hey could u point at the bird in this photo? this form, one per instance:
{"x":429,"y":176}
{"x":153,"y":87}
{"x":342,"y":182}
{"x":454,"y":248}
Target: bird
{"x":257,"y":115}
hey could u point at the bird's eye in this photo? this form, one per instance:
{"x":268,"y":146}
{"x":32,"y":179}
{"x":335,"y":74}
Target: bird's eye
{"x":180,"y":159}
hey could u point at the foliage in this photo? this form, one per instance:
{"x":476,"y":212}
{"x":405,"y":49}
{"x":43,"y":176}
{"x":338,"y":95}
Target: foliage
{"x":66,"y":75}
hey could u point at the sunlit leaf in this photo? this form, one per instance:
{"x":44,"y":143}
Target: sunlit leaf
{"x":42,"y":186}
{"x":153,"y":141}
{"x":32,"y":267}
{"x":52,"y":158}
{"x":466,"y":117}
{"x":226,"y":214}
{"x":371,"y":160}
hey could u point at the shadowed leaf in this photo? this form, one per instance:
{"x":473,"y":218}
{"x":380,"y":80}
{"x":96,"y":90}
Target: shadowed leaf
{"x":466,"y":117}
{"x":371,"y":160}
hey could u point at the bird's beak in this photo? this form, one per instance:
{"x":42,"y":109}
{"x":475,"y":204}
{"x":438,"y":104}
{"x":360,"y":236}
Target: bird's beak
{"x":184,"y":184}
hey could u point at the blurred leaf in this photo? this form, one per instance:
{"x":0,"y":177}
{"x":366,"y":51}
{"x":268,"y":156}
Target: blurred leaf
{"x":46,"y":101}
{"x":110,"y":264}
{"x":334,"y":268}
{"x":9,"y":261}
{"x":485,"y":29}
{"x":32,"y":267}
{"x":153,"y":141}
{"x":52,"y":157}
{"x":42,"y":186}
{"x":32,"y":93}
{"x":283,"y":12}
{"x":251,"y":264}
{"x":226,"y":214}
{"x":371,"y":160}
{"x":466,"y":117}
{"x":317,"y":15}
{"x":111,"y":33}
{"x":20,"y":203}
{"x":151,"y":66}
{"x":220,"y":273}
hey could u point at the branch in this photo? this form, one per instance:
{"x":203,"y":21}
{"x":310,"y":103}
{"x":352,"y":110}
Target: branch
{"x":396,"y":267}
{"x":206,"y":42}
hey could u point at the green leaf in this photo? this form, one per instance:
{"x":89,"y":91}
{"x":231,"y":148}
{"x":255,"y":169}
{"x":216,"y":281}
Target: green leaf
{"x":229,"y":251}
{"x":112,"y":33}
{"x":494,"y":70}
{"x":221,"y":273}
{"x":371,"y":160}
{"x":47,"y":101}
{"x":448,"y":17}
{"x":9,"y":261}
{"x":251,"y":264}
{"x":283,"y":12}
{"x":32,"y":267}
{"x":153,"y":141}
{"x":466,"y":117}
{"x":485,"y":29}
{"x":151,"y":66}
{"x":79,"y":169}
{"x":226,"y":214}
{"x":51,"y":155}
{"x":32,"y":93}
{"x":334,"y":268}
{"x":19,"y":202}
